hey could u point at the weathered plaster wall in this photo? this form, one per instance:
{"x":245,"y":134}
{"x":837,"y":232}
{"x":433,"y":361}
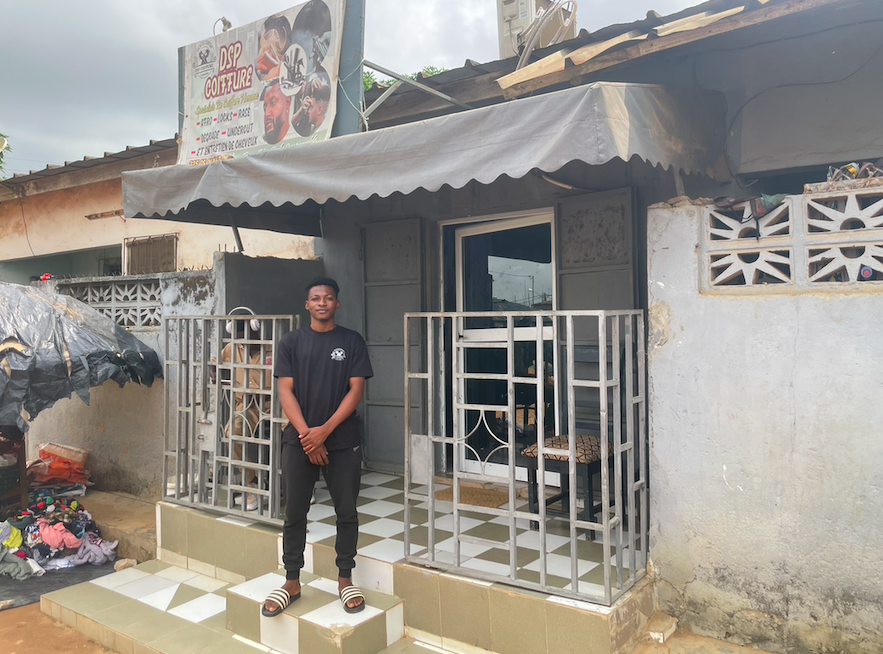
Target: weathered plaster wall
{"x":55,"y":222}
{"x":122,"y":428}
{"x":766,"y":469}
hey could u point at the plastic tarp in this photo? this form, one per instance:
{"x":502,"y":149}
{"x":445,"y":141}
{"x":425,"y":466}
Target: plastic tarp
{"x":672,"y":127}
{"x":53,"y":346}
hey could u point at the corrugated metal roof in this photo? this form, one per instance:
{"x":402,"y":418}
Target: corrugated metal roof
{"x":653,"y":19}
{"x":477,"y":84}
{"x":131,"y":152}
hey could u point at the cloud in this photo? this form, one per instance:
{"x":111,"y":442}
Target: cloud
{"x":81,"y":78}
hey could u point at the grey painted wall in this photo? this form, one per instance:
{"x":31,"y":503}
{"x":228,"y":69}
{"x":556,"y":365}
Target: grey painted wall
{"x":268,"y":286}
{"x":797,"y":89}
{"x":766,"y":470}
{"x":122,"y":428}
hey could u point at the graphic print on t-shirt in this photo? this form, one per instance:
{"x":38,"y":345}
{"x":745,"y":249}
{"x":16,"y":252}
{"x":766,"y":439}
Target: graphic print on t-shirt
{"x":338,"y":354}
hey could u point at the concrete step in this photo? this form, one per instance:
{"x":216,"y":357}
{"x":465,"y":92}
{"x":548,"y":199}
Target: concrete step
{"x":316,"y":623}
{"x":661,"y":627}
{"x":126,"y":518}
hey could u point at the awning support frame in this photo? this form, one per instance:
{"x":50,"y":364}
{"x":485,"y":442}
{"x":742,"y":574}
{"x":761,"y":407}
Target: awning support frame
{"x":408,"y":80}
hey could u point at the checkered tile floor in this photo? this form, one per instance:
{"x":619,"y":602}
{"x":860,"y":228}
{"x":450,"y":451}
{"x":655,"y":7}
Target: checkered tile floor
{"x":382,"y":535}
{"x":179,"y":592}
{"x":175,"y":610}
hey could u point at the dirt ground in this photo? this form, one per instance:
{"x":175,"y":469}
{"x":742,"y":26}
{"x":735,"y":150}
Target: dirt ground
{"x":684,"y":642}
{"x":26,"y":630}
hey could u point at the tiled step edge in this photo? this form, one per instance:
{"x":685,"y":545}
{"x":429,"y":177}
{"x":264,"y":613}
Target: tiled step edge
{"x":316,"y":623}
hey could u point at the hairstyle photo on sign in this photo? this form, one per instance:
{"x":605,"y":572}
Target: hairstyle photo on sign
{"x":277,"y":109}
{"x":314,"y":99}
{"x":294,"y":70}
{"x":312,"y":30}
{"x":273,"y":40}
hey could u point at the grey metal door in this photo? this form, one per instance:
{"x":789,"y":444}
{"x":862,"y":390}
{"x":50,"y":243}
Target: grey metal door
{"x":393,"y":264}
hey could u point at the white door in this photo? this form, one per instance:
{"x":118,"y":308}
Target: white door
{"x":503,"y":266}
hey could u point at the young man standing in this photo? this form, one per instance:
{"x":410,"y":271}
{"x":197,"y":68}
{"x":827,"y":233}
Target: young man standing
{"x":322,"y":370}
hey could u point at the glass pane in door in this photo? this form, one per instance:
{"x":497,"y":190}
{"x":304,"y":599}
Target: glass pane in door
{"x":507,"y":270}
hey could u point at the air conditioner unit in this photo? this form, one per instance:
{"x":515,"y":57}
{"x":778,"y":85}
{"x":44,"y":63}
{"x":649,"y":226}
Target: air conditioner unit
{"x":515,"y":16}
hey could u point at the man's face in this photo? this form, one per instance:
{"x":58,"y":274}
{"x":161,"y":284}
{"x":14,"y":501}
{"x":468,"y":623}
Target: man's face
{"x":276,"y":106}
{"x":317,"y":112}
{"x":322,"y":303}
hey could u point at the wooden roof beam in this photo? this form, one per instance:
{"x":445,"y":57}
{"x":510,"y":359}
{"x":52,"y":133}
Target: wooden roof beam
{"x":576,"y":74}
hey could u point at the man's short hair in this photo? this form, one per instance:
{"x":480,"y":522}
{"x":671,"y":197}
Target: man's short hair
{"x":323,"y":281}
{"x":322,"y":94}
{"x":267,"y":88}
{"x":315,"y":18}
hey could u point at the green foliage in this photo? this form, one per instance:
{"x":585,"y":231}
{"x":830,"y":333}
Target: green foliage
{"x":6,"y":149}
{"x":369,"y":78}
{"x":429,"y":71}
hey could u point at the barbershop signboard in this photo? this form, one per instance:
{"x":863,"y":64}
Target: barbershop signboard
{"x":271,"y":84}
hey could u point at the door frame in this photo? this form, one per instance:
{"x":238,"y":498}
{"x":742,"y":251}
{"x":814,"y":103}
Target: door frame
{"x":489,"y":223}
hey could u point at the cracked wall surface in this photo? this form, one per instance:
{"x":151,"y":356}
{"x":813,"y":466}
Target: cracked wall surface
{"x":766,"y":461}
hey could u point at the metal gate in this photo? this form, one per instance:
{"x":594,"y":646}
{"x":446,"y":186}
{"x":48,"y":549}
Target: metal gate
{"x":223,"y":420}
{"x":580,"y":387}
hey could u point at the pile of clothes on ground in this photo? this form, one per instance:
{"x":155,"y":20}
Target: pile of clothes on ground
{"x":55,"y":531}
{"x":50,"y":535}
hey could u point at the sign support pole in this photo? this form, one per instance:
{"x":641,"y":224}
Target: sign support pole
{"x":352,"y":90}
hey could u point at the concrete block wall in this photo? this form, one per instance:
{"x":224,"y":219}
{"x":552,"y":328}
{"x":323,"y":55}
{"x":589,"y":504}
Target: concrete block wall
{"x":766,"y":467}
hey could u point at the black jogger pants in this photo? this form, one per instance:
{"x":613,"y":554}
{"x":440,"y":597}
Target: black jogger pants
{"x":343,"y":476}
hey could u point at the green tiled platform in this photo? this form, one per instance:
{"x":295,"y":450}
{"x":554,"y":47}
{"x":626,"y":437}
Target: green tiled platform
{"x":128,"y":625}
{"x":156,"y":607}
{"x":213,"y":571}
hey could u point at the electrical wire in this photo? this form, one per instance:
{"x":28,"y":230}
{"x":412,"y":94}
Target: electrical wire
{"x":788,"y":86}
{"x":21,"y":207}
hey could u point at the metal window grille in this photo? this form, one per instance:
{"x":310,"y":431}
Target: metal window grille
{"x":151,"y":254}
{"x":223,"y":420}
{"x":596,"y":361}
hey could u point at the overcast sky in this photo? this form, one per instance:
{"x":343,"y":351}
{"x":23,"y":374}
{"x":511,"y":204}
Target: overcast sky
{"x":81,"y":78}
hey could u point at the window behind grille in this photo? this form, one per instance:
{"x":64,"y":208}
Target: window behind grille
{"x":151,"y":254}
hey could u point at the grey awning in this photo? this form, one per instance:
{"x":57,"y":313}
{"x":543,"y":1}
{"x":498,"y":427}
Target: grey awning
{"x":680,"y":127}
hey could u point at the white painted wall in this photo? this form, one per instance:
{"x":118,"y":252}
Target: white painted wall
{"x":766,"y":465}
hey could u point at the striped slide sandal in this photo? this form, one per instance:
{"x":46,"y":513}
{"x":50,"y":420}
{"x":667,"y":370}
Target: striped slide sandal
{"x":281,"y":597}
{"x":349,"y":594}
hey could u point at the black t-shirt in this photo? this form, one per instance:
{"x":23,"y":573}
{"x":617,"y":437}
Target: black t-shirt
{"x":322,"y":364}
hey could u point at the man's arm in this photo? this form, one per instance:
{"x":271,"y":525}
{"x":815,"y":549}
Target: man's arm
{"x":290,"y":405}
{"x":316,"y":436}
